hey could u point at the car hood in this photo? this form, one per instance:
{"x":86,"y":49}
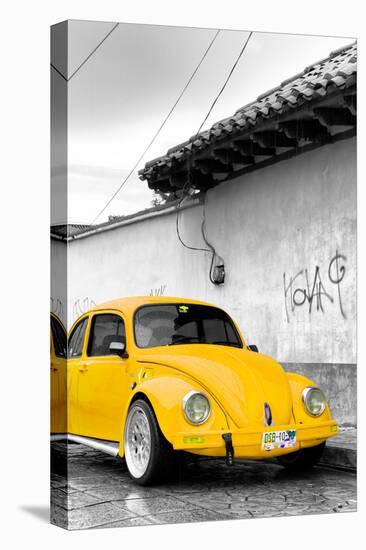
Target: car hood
{"x":241,"y":381}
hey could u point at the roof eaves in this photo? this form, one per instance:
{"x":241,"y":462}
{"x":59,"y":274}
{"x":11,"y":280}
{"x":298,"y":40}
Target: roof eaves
{"x":316,"y":81}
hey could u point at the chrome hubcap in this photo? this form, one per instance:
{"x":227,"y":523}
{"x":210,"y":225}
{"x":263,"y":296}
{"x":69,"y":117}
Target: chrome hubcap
{"x":137,"y":442}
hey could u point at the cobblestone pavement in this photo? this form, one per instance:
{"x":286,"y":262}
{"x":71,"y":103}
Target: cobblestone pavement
{"x":99,"y":493}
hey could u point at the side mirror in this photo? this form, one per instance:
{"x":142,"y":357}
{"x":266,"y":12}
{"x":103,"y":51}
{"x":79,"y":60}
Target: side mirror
{"x":253,"y":347}
{"x":118,"y":348}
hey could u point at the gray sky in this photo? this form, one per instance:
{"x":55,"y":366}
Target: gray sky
{"x":121,"y":95}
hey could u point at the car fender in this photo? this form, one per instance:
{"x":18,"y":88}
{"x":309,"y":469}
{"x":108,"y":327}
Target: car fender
{"x":165,"y":393}
{"x":298,"y":383}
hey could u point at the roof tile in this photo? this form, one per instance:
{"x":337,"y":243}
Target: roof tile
{"x":317,"y":80}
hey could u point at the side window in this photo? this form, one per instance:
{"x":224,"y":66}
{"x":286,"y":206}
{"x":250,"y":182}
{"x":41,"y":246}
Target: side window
{"x":105,"y":329}
{"x":58,"y":337}
{"x":76,"y":339}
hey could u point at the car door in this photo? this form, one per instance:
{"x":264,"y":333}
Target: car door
{"x":102,"y":388}
{"x":75,"y":363}
{"x":58,"y":376}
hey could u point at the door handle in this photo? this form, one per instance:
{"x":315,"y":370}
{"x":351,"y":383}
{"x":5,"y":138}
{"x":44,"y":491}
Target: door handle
{"x":83,"y":368}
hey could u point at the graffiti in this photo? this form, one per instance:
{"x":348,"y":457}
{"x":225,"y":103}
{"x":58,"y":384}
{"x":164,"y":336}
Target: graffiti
{"x":56,"y":307}
{"x":336,"y":273}
{"x":81,"y":305}
{"x":315,"y":291}
{"x":158,"y":291}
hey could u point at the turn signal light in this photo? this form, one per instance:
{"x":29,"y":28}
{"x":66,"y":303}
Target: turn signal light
{"x":195,"y":439}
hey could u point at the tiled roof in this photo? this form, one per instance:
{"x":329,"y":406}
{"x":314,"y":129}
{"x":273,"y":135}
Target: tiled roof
{"x":317,"y":81}
{"x":64,"y":231}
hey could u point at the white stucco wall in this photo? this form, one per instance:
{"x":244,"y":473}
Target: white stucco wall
{"x":289,"y":218}
{"x":58,"y":277}
{"x":286,"y":218}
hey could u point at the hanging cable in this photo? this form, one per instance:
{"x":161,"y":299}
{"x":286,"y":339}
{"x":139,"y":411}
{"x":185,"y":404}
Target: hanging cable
{"x":212,"y":248}
{"x":158,"y":131}
{"x":187,"y":185}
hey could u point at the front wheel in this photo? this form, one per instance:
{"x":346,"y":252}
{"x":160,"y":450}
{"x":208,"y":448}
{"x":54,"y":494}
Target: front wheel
{"x":148,"y":454}
{"x":303,"y":459}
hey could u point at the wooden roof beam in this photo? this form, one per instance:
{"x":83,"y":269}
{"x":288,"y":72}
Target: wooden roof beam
{"x":230,"y":156}
{"x":350,"y":102}
{"x":308,"y":130}
{"x":329,"y":117}
{"x":212,"y":166}
{"x":274,"y":139}
{"x":178,"y":179}
{"x":248,"y":147}
{"x":160,"y":185}
{"x":198,"y":179}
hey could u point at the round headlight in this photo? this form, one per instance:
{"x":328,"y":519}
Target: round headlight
{"x":314,"y":401}
{"x":196,"y":407}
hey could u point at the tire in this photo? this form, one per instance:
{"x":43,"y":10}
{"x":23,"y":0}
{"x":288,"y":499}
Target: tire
{"x":148,"y":455}
{"x":304,"y":459}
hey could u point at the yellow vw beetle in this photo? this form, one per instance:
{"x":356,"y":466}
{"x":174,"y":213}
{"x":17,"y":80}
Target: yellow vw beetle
{"x":58,"y":375}
{"x":148,"y":376}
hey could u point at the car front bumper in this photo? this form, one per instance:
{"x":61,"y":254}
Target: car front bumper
{"x":248,"y":443}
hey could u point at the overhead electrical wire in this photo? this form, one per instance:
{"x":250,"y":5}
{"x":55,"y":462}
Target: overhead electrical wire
{"x":226,"y":81}
{"x":187,"y":184}
{"x":93,"y":52}
{"x":158,"y":131}
{"x":87,"y":58}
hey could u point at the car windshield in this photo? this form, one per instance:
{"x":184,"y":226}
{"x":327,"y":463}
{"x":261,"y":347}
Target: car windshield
{"x":174,"y":324}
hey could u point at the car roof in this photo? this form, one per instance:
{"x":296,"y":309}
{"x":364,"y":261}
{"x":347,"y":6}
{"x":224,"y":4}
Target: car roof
{"x":129,"y":305}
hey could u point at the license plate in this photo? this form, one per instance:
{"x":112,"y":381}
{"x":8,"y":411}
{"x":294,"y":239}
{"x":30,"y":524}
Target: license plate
{"x":281,"y":439}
